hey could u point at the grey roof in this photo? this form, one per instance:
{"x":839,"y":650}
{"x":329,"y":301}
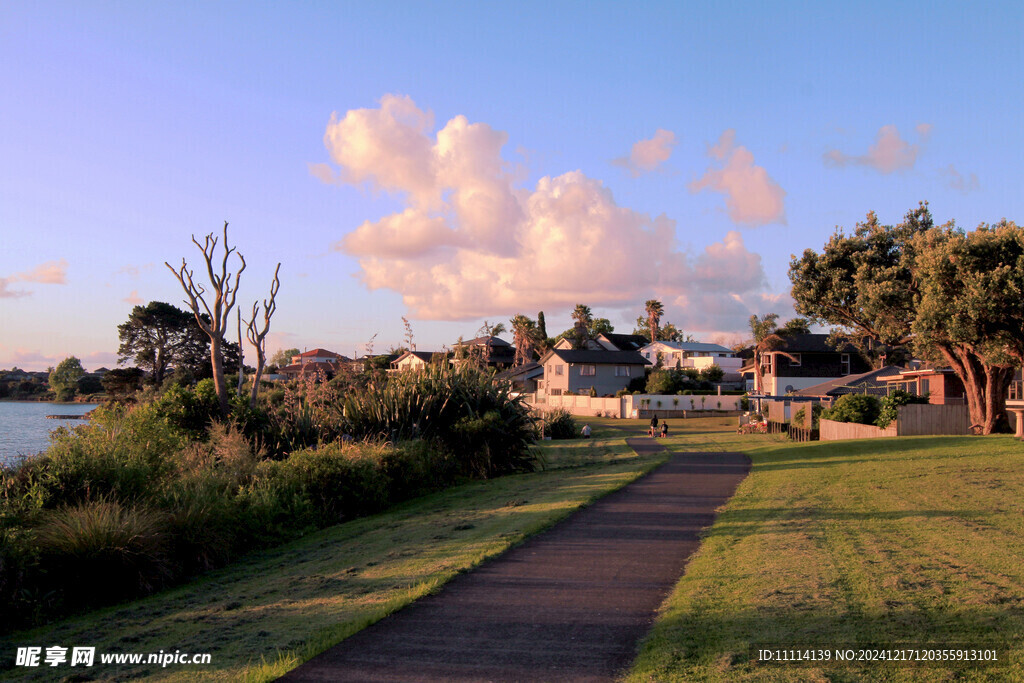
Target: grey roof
{"x":871,"y":381}
{"x":597,"y":357}
{"x":696,"y":346}
{"x":525,"y":371}
{"x":484,"y":341}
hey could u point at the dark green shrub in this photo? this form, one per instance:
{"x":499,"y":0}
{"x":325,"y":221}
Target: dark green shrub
{"x":890,"y":404}
{"x":102,"y":549}
{"x":560,"y":424}
{"x":859,"y":408}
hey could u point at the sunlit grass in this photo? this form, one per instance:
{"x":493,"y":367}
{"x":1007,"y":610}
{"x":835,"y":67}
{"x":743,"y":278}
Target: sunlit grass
{"x":909,"y":542}
{"x":271,"y":611}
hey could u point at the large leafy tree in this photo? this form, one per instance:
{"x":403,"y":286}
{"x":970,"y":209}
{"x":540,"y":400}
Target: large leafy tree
{"x":64,"y":378}
{"x":157,"y":336}
{"x":951,"y":295}
{"x":666,"y":332}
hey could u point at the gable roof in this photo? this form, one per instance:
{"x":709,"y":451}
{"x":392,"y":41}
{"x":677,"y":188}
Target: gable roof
{"x":589,"y":357}
{"x":524,"y":371}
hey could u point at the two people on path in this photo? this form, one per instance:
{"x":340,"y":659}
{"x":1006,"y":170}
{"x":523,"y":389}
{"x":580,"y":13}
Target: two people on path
{"x":653,"y":431}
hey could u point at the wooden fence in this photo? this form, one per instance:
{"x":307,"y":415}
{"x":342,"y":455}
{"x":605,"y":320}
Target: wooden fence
{"x":911,"y":420}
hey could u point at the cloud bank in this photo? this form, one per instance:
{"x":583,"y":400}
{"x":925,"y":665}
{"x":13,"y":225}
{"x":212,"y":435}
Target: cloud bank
{"x":751,"y":197}
{"x":470,"y":243}
{"x":648,"y":155}
{"x":889,"y":153}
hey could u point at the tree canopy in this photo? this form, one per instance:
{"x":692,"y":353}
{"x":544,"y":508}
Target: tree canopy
{"x":954,"y":296}
{"x":64,"y":378}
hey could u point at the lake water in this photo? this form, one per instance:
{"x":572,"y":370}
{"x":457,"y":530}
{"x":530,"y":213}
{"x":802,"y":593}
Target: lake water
{"x":24,"y":429}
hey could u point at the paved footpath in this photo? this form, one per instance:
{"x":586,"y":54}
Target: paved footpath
{"x":569,"y":604}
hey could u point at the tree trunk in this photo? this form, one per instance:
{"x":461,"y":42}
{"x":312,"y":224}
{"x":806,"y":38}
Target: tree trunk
{"x":261,"y":360}
{"x":219,"y":382}
{"x":985,"y":386}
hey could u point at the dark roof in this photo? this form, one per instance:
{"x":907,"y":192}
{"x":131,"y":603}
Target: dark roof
{"x":626,"y":342}
{"x":597,"y":357}
{"x":321,"y":353}
{"x":525,"y":371}
{"x":811,"y":343}
{"x":872,"y":381}
{"x":425,"y":356}
{"x":484,"y":341}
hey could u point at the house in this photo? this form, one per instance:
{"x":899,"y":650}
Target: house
{"x":576,"y":371}
{"x":314,"y":362}
{"x":804,"y":360}
{"x":941,"y":385}
{"x":493,"y":351}
{"x":697,"y":355}
{"x":414,"y":360}
{"x":318,"y":356}
{"x":523,"y":378}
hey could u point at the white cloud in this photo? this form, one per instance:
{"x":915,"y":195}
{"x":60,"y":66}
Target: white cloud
{"x":889,"y":153}
{"x":752,"y":197}
{"x":647,"y":155}
{"x":470,"y":243}
{"x":6,"y":293}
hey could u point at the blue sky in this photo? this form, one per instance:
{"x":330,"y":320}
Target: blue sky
{"x":483,"y":159}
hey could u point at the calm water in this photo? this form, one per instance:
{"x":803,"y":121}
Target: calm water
{"x":24,"y":429}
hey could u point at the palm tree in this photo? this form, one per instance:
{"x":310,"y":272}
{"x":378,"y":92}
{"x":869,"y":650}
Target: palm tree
{"x":525,"y":337}
{"x":583,"y":320}
{"x":654,"y":312}
{"x":766,"y":339}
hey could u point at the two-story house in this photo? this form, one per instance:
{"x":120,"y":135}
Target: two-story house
{"x":698,"y":355}
{"x":803,"y":360}
{"x":579,"y":371}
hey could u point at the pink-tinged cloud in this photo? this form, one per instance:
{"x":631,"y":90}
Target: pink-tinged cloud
{"x":889,"y":153}
{"x":51,"y":272}
{"x":471,"y":244}
{"x":956,"y":181}
{"x":133,"y":299}
{"x":7,"y":293}
{"x":648,"y":155}
{"x":751,"y":196}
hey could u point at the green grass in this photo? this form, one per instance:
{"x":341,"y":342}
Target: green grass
{"x":606,"y":444}
{"x":273,"y":610}
{"x":909,"y":542}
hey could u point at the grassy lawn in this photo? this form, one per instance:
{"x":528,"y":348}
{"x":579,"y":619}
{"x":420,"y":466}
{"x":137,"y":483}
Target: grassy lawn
{"x":910,"y":542}
{"x":271,"y":611}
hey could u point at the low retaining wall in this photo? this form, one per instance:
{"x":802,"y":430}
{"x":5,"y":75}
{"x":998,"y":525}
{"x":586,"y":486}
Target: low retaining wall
{"x":911,"y":420}
{"x":839,"y":431}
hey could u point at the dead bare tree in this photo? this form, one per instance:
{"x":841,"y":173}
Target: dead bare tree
{"x":258,"y":336}
{"x":224,"y":293}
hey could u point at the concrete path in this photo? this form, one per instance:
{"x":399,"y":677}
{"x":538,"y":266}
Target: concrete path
{"x":569,"y":604}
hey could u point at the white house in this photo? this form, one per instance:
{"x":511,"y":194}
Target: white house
{"x":698,"y":355}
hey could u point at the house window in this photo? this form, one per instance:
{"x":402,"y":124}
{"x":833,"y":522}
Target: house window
{"x":844,"y":364}
{"x":559,"y":369}
{"x":588,"y":370}
{"x":556,"y":392}
{"x":794,"y":362}
{"x":766,"y":363}
{"x":622,"y":371}
{"x":647,"y":355}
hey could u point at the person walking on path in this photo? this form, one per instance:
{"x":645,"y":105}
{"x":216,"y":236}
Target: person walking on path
{"x":654,"y":426}
{"x":664,"y":429}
